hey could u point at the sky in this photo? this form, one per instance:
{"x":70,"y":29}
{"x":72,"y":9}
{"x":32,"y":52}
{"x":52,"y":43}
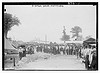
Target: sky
{"x":38,"y":22}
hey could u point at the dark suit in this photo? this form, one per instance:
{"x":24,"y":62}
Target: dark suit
{"x":94,"y":63}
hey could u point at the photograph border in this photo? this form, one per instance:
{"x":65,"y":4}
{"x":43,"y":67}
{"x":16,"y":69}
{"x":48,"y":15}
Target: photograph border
{"x":47,"y":3}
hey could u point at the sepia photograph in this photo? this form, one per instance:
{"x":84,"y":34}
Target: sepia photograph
{"x":50,"y":36}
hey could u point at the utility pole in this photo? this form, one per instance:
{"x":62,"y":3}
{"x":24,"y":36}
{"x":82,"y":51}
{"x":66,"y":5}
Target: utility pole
{"x":45,"y":39}
{"x":64,"y":32}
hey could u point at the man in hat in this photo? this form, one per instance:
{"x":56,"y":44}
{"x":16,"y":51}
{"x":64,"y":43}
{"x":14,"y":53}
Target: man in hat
{"x":20,"y":52}
{"x":93,"y":64}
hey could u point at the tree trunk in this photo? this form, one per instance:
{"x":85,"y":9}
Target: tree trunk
{"x":5,"y":34}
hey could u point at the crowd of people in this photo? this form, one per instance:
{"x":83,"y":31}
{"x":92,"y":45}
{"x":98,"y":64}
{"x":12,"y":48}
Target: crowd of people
{"x":57,"y":49}
{"x":87,"y":53}
{"x":90,"y":57}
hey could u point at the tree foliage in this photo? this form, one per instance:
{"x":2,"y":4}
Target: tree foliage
{"x":87,"y":37}
{"x":65,"y":37}
{"x":9,"y":21}
{"x":76,"y":30}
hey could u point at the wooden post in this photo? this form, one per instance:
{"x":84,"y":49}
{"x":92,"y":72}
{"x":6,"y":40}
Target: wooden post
{"x":14,"y":62}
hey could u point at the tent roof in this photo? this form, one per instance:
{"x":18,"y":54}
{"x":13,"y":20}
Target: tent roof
{"x":15,"y":44}
{"x":7,"y":44}
{"x":90,"y":40}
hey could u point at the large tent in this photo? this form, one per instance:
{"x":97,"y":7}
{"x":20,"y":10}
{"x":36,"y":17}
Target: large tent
{"x":89,"y":41}
{"x":8,"y":47}
{"x":7,"y":44}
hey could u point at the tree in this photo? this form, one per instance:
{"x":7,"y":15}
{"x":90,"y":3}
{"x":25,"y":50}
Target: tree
{"x":65,"y":37}
{"x":80,"y":38}
{"x":76,"y":30}
{"x":9,"y":21}
{"x":87,"y":37}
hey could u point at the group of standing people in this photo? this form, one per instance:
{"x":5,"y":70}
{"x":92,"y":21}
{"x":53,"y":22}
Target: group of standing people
{"x":58,"y":49}
{"x":90,"y":57}
{"x":22,"y":52}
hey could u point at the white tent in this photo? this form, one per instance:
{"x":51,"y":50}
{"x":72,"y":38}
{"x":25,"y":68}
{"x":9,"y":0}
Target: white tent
{"x":7,"y":44}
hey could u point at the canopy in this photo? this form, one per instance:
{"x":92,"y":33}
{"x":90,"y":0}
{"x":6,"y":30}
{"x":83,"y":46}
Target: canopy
{"x":74,"y":42}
